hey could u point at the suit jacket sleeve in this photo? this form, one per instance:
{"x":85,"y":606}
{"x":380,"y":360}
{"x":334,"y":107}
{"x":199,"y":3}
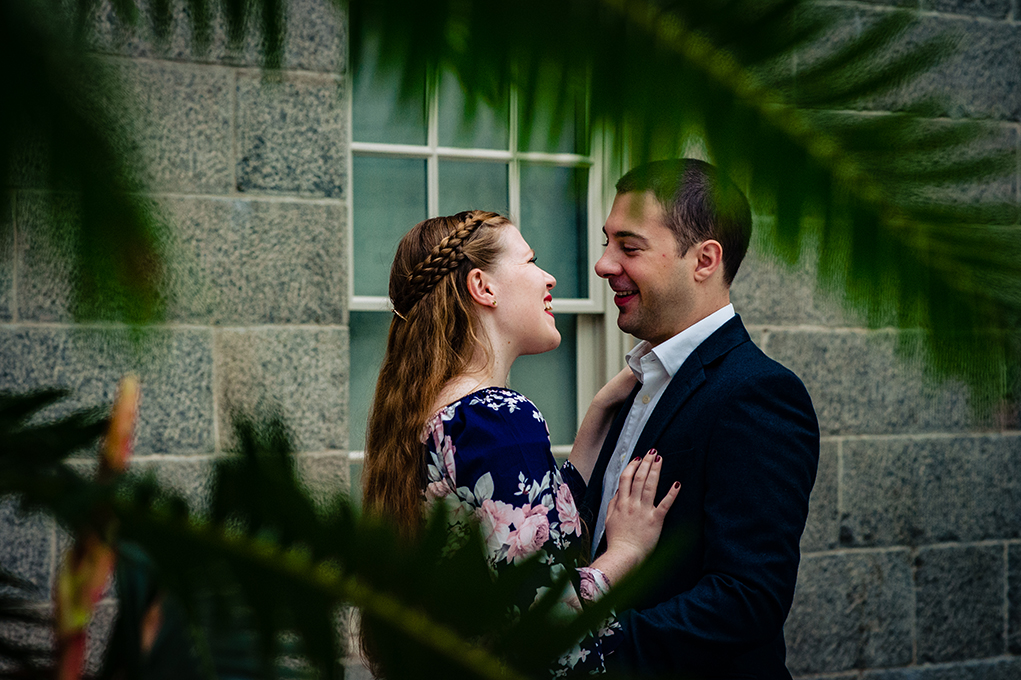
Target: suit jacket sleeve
{"x":761,"y":460}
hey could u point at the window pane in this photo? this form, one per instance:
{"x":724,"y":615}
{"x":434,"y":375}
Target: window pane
{"x":488,"y":128}
{"x":376,"y":113}
{"x":550,"y":380}
{"x":554,"y":214}
{"x":543,"y":129}
{"x":473,"y":186}
{"x":368,"y":344}
{"x":389,"y":199}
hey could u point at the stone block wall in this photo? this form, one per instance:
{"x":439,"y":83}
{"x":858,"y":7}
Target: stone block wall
{"x":912,"y":555}
{"x":252,"y":171}
{"x":910,"y":558}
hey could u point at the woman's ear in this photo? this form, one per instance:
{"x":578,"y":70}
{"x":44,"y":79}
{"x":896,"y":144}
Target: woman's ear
{"x":480,"y":287}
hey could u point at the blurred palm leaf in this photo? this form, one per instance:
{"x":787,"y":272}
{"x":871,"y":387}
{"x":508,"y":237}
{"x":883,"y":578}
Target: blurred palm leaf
{"x":254,"y":587}
{"x":874,"y":198}
{"x":60,"y":137}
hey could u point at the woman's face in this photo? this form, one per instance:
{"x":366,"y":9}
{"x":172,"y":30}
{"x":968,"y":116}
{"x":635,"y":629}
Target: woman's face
{"x":521,"y":291}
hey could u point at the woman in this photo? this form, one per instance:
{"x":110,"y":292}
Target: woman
{"x":468,"y":300}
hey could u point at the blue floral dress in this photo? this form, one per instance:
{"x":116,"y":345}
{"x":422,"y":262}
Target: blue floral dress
{"x":489,"y":459}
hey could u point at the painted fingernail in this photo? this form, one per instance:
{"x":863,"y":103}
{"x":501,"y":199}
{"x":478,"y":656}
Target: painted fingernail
{"x":635,"y":458}
{"x":658,"y":459}
{"x":677,"y":485}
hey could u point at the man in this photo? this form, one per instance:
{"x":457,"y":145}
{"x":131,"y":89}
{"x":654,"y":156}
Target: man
{"x":734,"y":427}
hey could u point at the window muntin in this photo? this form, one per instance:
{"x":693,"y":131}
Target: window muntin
{"x":555,"y":197}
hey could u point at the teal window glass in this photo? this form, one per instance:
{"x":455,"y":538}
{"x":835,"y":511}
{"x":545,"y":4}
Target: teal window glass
{"x":368,"y":344}
{"x":389,"y":199}
{"x":549,"y":380}
{"x":488,"y":127}
{"x":554,"y":214}
{"x":473,"y":185}
{"x":561,"y":131}
{"x":377,"y":112}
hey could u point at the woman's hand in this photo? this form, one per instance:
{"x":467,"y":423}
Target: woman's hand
{"x":633,"y":521}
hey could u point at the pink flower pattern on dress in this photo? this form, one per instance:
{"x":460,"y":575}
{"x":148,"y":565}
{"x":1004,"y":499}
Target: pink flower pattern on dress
{"x":530,"y":533}
{"x":517,"y":514}
{"x":570,"y":521}
{"x":495,"y":519}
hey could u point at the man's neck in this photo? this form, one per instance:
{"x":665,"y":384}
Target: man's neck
{"x":703,"y":311}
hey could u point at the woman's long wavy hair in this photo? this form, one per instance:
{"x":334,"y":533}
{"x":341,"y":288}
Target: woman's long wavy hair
{"x":434,"y":336}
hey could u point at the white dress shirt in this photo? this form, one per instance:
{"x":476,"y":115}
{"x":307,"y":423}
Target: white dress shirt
{"x":654,"y":367}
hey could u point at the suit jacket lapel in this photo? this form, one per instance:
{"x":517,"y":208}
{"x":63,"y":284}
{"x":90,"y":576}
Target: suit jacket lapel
{"x":684,"y":383}
{"x":689,"y":376}
{"x":687,"y":379}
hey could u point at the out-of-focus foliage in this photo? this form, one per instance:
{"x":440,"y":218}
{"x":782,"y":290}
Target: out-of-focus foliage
{"x":253,"y":586}
{"x":57,"y":133}
{"x":875,"y":199}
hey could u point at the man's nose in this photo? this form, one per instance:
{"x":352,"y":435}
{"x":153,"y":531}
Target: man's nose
{"x":606,"y":266}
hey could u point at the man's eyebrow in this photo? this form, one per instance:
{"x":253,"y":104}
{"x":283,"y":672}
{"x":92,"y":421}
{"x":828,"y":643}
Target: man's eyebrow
{"x":626,"y":234}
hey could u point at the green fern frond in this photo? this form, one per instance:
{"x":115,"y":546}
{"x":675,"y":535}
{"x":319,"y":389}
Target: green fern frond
{"x":872,"y":195}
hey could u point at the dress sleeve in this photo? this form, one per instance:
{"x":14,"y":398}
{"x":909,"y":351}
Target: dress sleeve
{"x":492,"y":453}
{"x":573,"y":479}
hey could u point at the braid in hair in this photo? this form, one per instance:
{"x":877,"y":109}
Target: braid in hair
{"x":444,"y":258}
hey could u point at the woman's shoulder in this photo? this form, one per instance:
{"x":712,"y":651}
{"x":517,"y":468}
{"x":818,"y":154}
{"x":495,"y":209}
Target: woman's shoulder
{"x":487,"y":408}
{"x":495,"y":429}
{"x":502,"y":400}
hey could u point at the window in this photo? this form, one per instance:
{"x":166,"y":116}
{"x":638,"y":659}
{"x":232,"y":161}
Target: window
{"x":411,"y":162}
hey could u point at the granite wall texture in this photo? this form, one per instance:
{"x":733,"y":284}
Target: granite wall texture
{"x":910,"y":559}
{"x":912,"y":555}
{"x":252,"y":170}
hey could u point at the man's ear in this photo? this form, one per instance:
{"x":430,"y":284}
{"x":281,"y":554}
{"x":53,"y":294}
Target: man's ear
{"x":480,"y":287}
{"x":708,"y":259}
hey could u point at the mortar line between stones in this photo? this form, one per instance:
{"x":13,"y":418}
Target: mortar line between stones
{"x":840,"y":491}
{"x":913,"y":556}
{"x":15,"y":312}
{"x":114,"y":326}
{"x":852,"y":4}
{"x":242,"y":69}
{"x":1006,"y":598}
{"x":927,"y":436}
{"x":811,"y":328}
{"x":234,"y":114}
{"x":936,"y":119}
{"x":54,"y":555}
{"x":876,"y":550}
{"x":234,"y":196}
{"x":944,"y":545}
{"x":216,"y":400}
{"x":765,"y":341}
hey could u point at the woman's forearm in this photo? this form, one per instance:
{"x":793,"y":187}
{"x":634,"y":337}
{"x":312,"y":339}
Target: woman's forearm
{"x":596,"y":423}
{"x":589,"y":440}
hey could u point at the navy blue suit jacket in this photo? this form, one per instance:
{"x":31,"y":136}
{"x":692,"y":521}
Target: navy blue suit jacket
{"x":738,"y":431}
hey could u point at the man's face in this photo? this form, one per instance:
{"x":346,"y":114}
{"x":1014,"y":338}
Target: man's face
{"x":653,"y":283}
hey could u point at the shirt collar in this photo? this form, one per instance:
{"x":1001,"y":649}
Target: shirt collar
{"x":674,"y":351}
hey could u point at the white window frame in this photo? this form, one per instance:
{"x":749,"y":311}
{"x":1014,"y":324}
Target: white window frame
{"x":600,"y":345}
